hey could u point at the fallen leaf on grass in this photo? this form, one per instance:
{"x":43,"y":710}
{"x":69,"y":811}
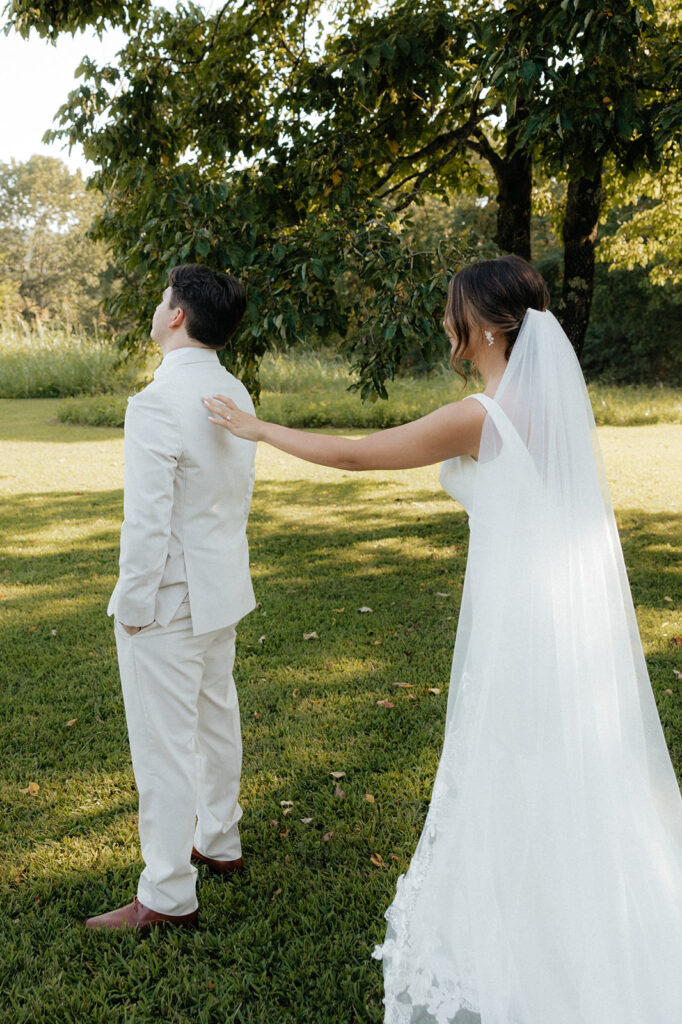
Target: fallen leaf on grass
{"x":411,"y":696}
{"x":306,"y":821}
{"x":32,"y":789}
{"x":339,"y":793}
{"x":273,"y":821}
{"x":406,"y":685}
{"x":327,"y":836}
{"x":365,"y":608}
{"x":286,"y":803}
{"x":276,"y":893}
{"x":210,"y":985}
{"x":668,"y":599}
{"x":284,"y":834}
{"x":261,"y":639}
{"x":368,"y":798}
{"x":338,"y":775}
{"x":669,"y":691}
{"x":377,"y":860}
{"x":53,"y":632}
{"x":287,"y":810}
{"x":338,"y":610}
{"x":677,"y":674}
{"x":256,"y":714}
{"x":311,"y":636}
{"x":71,"y":721}
{"x":440,"y":593}
{"x":433,"y":689}
{"x":385,"y":704}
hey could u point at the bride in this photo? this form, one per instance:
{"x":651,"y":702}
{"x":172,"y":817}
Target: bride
{"x":546,"y":887}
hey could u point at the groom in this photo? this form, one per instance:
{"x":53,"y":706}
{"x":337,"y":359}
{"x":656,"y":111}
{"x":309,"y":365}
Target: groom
{"x":184,"y":583}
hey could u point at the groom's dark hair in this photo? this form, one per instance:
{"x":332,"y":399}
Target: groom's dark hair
{"x":213,"y":302}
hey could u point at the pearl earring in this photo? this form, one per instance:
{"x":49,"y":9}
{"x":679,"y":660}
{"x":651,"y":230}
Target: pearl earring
{"x":489,"y":337}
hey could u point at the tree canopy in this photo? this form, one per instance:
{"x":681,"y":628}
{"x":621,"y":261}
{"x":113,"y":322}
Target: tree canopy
{"x":288,"y":141}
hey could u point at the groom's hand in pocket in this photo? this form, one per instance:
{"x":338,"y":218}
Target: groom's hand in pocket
{"x":131,"y":630}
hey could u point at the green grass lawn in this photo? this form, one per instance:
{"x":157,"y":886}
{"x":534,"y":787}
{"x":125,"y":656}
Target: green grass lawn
{"x":289,"y":940}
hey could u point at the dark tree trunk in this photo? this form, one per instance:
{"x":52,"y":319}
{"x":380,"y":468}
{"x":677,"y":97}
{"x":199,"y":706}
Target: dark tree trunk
{"x":514,"y":173}
{"x":583,"y":203}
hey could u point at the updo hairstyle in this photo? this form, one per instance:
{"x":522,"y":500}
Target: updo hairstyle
{"x":495,"y":293}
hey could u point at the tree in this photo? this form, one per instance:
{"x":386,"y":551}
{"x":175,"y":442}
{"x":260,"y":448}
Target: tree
{"x":598,"y":83}
{"x":52,"y":270}
{"x":648,"y":229}
{"x":247,"y":140}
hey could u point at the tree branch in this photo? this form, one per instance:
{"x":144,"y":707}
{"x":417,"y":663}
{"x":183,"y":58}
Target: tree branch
{"x":484,"y":148}
{"x":432,"y":147}
{"x":421,"y":176}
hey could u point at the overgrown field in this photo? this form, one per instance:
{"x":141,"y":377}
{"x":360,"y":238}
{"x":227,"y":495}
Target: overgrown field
{"x":310,"y":389}
{"x":302,"y":388}
{"x":54,"y":363}
{"x":291,"y":939}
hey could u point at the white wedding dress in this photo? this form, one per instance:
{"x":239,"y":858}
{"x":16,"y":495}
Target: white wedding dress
{"x":546,"y":887}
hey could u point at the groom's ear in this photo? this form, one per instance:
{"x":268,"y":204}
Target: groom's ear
{"x":177,"y":318}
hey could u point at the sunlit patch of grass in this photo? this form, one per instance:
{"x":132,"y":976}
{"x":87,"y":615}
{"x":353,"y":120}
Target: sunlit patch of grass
{"x":635,"y":405}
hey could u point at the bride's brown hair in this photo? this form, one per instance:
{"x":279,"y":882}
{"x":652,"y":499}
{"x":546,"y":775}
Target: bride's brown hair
{"x":492,"y":292}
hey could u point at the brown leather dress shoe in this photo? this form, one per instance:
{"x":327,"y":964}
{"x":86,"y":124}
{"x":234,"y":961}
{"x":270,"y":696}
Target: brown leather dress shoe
{"x":221,"y":867}
{"x":136,"y":915}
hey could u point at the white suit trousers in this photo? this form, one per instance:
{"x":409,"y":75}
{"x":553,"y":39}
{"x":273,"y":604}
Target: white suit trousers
{"x":185,"y":740}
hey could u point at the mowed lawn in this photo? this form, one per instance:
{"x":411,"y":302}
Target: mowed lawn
{"x":291,"y":938}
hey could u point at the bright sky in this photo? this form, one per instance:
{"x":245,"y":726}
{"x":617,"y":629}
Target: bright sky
{"x":36,"y":78}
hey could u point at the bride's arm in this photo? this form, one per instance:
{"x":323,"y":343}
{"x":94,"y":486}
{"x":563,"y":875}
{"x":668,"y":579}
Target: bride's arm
{"x":454,"y":429}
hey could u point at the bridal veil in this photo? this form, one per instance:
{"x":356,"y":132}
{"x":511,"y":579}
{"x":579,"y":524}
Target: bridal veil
{"x":546,"y":887}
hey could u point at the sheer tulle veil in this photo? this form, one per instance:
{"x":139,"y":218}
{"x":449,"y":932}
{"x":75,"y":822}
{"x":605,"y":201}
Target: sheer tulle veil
{"x":547,"y":885}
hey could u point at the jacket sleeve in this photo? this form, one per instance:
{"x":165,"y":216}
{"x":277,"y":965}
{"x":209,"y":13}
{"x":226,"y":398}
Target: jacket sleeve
{"x":152,"y":447}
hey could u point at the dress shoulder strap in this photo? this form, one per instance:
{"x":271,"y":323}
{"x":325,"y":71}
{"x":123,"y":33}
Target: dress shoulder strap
{"x":505,"y":427}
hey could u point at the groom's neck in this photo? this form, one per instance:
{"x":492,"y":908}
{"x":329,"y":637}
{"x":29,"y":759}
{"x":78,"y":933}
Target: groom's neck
{"x":182,"y":340}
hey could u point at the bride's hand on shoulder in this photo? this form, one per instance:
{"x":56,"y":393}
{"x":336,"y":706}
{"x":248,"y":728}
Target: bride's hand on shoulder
{"x":227,"y":413}
{"x":454,"y":429}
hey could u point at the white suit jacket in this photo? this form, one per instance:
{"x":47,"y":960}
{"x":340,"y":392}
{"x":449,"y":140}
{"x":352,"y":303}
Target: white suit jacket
{"x":187,"y":493}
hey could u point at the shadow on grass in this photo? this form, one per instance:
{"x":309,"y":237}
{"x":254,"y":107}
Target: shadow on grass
{"x":403,"y":559}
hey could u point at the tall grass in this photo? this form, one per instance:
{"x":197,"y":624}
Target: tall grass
{"x":56,"y":363}
{"x":293,"y":372}
{"x":634,"y":405}
{"x":310,"y":389}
